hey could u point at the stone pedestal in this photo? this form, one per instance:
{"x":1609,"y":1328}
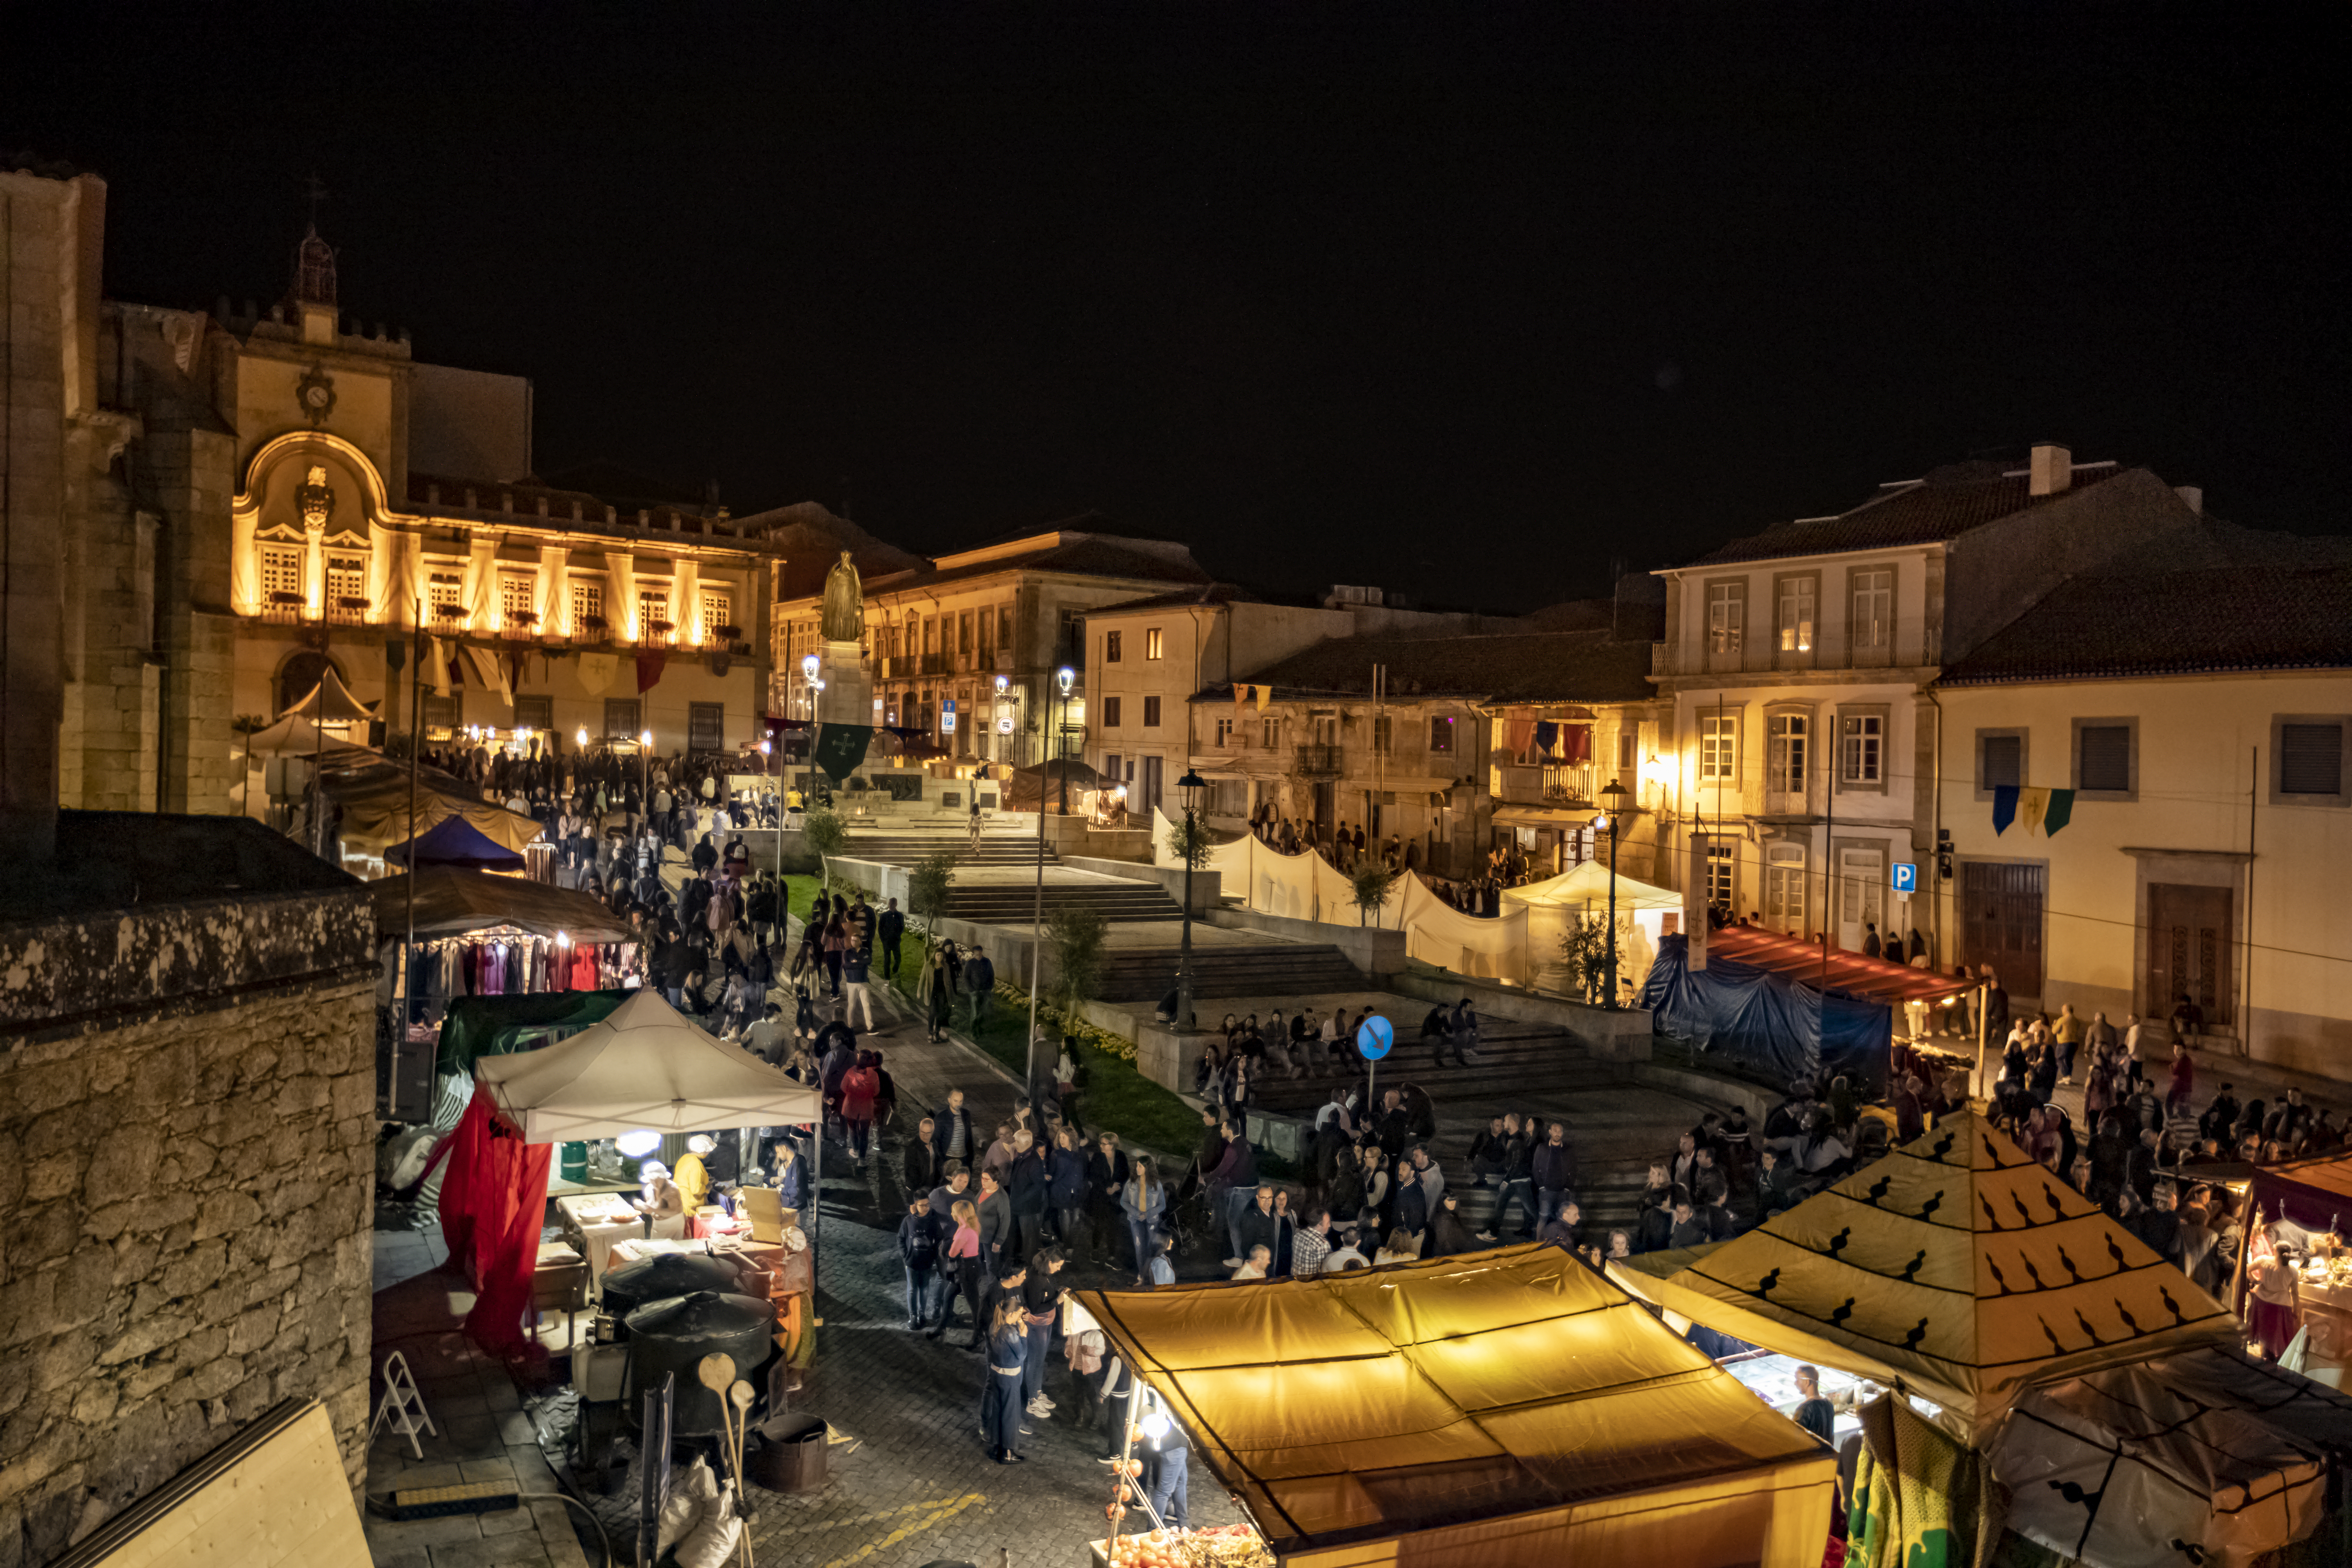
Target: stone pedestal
{"x":848,"y":694}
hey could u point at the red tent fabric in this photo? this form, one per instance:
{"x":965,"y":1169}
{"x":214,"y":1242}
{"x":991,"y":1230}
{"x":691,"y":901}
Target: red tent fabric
{"x":1848,"y":972}
{"x":493,"y":1204}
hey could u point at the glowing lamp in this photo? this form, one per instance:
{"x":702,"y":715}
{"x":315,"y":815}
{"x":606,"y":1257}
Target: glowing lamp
{"x":581,"y":734}
{"x":638,"y":1144}
{"x":646,"y":739}
{"x":1155,"y":1425}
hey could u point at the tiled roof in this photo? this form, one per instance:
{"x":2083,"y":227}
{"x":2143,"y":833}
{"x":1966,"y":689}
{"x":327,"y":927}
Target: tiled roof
{"x":1499,"y":667}
{"x":1094,"y":556}
{"x":1946,"y":503}
{"x":490,"y":502}
{"x":2265,"y":615}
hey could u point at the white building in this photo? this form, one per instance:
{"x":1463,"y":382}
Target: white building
{"x":1803,"y":740}
{"x":2203,"y":718}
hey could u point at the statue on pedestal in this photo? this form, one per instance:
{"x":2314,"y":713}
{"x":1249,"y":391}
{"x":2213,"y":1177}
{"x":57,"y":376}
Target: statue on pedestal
{"x":844,"y":618}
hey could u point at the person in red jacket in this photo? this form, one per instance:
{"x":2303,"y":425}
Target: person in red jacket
{"x":859,"y":1087}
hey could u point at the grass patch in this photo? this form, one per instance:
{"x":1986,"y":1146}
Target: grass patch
{"x":1115,"y":1095}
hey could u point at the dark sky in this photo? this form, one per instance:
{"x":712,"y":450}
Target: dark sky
{"x":1460,"y":301}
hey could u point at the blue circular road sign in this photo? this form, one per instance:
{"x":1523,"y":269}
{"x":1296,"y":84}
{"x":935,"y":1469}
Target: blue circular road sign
{"x":1374,"y":1036}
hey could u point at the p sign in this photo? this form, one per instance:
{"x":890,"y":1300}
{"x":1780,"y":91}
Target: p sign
{"x":1906,"y":877}
{"x":1374,"y":1035}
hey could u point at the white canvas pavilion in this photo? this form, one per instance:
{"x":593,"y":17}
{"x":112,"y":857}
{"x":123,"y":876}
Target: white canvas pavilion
{"x":644,"y":1067}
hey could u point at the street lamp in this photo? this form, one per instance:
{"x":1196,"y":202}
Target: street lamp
{"x":646,"y":772}
{"x":808,"y":756}
{"x":580,"y":737}
{"x":1612,"y":796}
{"x":1063,"y":676}
{"x":1191,"y":784}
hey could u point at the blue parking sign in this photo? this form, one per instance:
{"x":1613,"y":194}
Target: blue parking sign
{"x":1906,"y":877}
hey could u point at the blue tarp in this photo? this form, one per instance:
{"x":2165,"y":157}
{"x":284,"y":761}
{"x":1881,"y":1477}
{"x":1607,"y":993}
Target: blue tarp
{"x":1767,"y":1021}
{"x":454,"y":841}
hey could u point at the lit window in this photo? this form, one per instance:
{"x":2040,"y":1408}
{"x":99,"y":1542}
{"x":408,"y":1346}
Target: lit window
{"x":1873,"y":623}
{"x":653,"y":611}
{"x":1797,"y":614}
{"x":282,"y":571}
{"x":1786,"y":761}
{"x":587,"y":603}
{"x":517,"y":594}
{"x":1726,"y":616}
{"x":346,"y":579}
{"x":718,"y":610}
{"x":1718,"y":746}
{"x":1721,"y":882}
{"x":445,"y":591}
{"x":1152,"y":644}
{"x":1784,"y":891}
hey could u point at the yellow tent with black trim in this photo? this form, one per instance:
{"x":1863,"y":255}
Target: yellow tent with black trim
{"x":1957,"y":1270}
{"x":1492,"y":1408}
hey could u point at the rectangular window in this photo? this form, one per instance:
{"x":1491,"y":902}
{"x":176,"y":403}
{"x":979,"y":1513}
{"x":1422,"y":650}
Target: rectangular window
{"x":518,"y":598}
{"x":653,"y":613}
{"x":1722,"y":884}
{"x":2104,"y":760}
{"x":442,"y":716}
{"x":1110,"y":712}
{"x":1111,"y":641}
{"x":443,"y":591}
{"x":1784,"y":889}
{"x":1629,"y":750}
{"x":1871,"y":628}
{"x":1380,"y":735}
{"x":718,"y":610}
{"x":1726,"y":618}
{"x":347,"y":582}
{"x":1785,"y":760}
{"x":2001,"y":761}
{"x":1718,"y":747}
{"x":534,"y":713}
{"x":281,"y":573}
{"x":964,"y":642}
{"x":1441,"y":734}
{"x":1796,"y":614}
{"x":1863,"y":738}
{"x":706,"y":726}
{"x":1225,"y":732}
{"x":1269,"y":732}
{"x":621,"y":718}
{"x":1004,"y":628}
{"x":1152,"y":712}
{"x":1152,"y":646}
{"x":2311,"y":759}
{"x":587,"y":605}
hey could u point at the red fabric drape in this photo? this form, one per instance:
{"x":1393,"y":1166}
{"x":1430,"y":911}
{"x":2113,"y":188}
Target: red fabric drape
{"x":1519,"y":735}
{"x":1578,"y":743}
{"x":649,"y":670}
{"x":493,"y":1204}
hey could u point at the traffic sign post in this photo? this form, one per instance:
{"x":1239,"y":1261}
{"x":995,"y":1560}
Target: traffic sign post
{"x":1906,"y":877}
{"x":1374,"y":1036}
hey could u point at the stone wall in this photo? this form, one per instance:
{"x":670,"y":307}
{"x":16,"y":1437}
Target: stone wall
{"x":185,"y":1214}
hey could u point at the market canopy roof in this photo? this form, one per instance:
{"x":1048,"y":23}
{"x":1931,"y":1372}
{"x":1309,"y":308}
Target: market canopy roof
{"x":479,"y":1026}
{"x":295,"y":736}
{"x":339,"y":705}
{"x":2311,"y":1192}
{"x":645,"y":1066}
{"x":1848,"y":972}
{"x":452,"y":900}
{"x":374,"y":798}
{"x":1497,"y":1408}
{"x":1955,"y":1268}
{"x":454,"y":841}
{"x":1587,"y":886}
{"x":2207,"y":1448}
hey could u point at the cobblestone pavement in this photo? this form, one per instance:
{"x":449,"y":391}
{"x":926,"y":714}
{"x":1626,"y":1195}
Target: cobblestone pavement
{"x":918,"y":1485}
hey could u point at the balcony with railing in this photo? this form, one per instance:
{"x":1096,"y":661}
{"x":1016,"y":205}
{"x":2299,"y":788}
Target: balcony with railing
{"x":1546,"y":783}
{"x":1319,"y":758}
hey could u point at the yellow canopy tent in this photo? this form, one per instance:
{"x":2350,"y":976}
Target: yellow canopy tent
{"x":375,"y":812}
{"x":1956,"y":1269}
{"x":1496,"y":1408}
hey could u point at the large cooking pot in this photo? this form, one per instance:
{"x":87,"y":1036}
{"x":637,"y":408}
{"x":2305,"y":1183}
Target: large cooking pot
{"x":673,"y":1336}
{"x":664,"y":1275}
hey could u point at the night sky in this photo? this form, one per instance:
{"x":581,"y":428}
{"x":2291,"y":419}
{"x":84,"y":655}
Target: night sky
{"x":1460,"y":302}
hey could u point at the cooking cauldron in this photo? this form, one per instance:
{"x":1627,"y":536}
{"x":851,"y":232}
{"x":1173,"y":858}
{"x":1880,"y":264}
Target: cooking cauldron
{"x":674,"y":1335}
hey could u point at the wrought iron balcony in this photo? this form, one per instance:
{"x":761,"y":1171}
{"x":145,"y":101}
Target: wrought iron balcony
{"x":1316,"y":760}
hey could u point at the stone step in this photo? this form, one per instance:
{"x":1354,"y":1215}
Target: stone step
{"x":1282,"y":969}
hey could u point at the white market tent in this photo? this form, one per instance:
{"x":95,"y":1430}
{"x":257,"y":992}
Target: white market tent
{"x":646,"y":1067}
{"x":1552,"y":905}
{"x":1585,"y":890}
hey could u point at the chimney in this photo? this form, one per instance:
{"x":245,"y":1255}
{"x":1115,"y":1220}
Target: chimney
{"x":2194,"y":495}
{"x":2053,"y":469}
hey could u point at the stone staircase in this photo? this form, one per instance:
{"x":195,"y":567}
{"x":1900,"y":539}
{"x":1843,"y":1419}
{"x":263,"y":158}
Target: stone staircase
{"x":1012,"y":905}
{"x":1275,"y":968}
{"x":904,"y":848}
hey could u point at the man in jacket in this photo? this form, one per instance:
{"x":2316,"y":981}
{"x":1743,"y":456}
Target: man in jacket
{"x":860,"y":999}
{"x":921,"y":1161}
{"x":980,"y":981}
{"x":919,"y":1249}
{"x":952,"y":1133}
{"x":1516,"y":1177}
{"x":1026,"y":1188}
{"x":889,"y":929}
{"x":1551,"y":1169}
{"x":1106,"y":1174}
{"x":1259,"y":1225}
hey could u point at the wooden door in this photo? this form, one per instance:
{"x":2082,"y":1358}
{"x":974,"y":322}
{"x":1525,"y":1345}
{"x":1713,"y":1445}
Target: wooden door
{"x":2188,"y":951}
{"x":1861,"y":896}
{"x":2001,"y":923}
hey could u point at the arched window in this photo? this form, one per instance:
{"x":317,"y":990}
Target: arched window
{"x":299,"y":674}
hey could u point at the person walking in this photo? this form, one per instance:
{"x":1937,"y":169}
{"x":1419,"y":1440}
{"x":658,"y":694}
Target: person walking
{"x":963,"y":1259}
{"x":889,"y":931}
{"x":1066,"y":1190}
{"x":937,"y":994}
{"x":855,"y":969}
{"x":859,"y":1086}
{"x":979,"y":983}
{"x":999,"y":1401}
{"x":1551,"y":1169}
{"x":918,"y":1250}
{"x":1142,"y":1201}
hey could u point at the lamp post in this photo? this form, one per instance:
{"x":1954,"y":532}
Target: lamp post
{"x":1612,"y":796}
{"x":646,"y":772}
{"x":1062,"y":677}
{"x":1191,"y":784}
{"x":808,"y":756}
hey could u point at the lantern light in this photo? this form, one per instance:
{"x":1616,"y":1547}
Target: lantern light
{"x":638,"y":1143}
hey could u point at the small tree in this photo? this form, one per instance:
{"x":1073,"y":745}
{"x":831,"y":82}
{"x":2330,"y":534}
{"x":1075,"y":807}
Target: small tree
{"x":1188,"y":841}
{"x":1372,"y":883}
{"x":1076,"y":934}
{"x":927,"y":885}
{"x":825,"y":835}
{"x":1585,"y":949}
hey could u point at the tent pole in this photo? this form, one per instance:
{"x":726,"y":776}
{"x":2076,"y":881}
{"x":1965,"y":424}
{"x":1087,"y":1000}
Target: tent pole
{"x":816,"y":1212}
{"x":407,"y":953}
{"x":1984,"y":998}
{"x":1125,"y":1452}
